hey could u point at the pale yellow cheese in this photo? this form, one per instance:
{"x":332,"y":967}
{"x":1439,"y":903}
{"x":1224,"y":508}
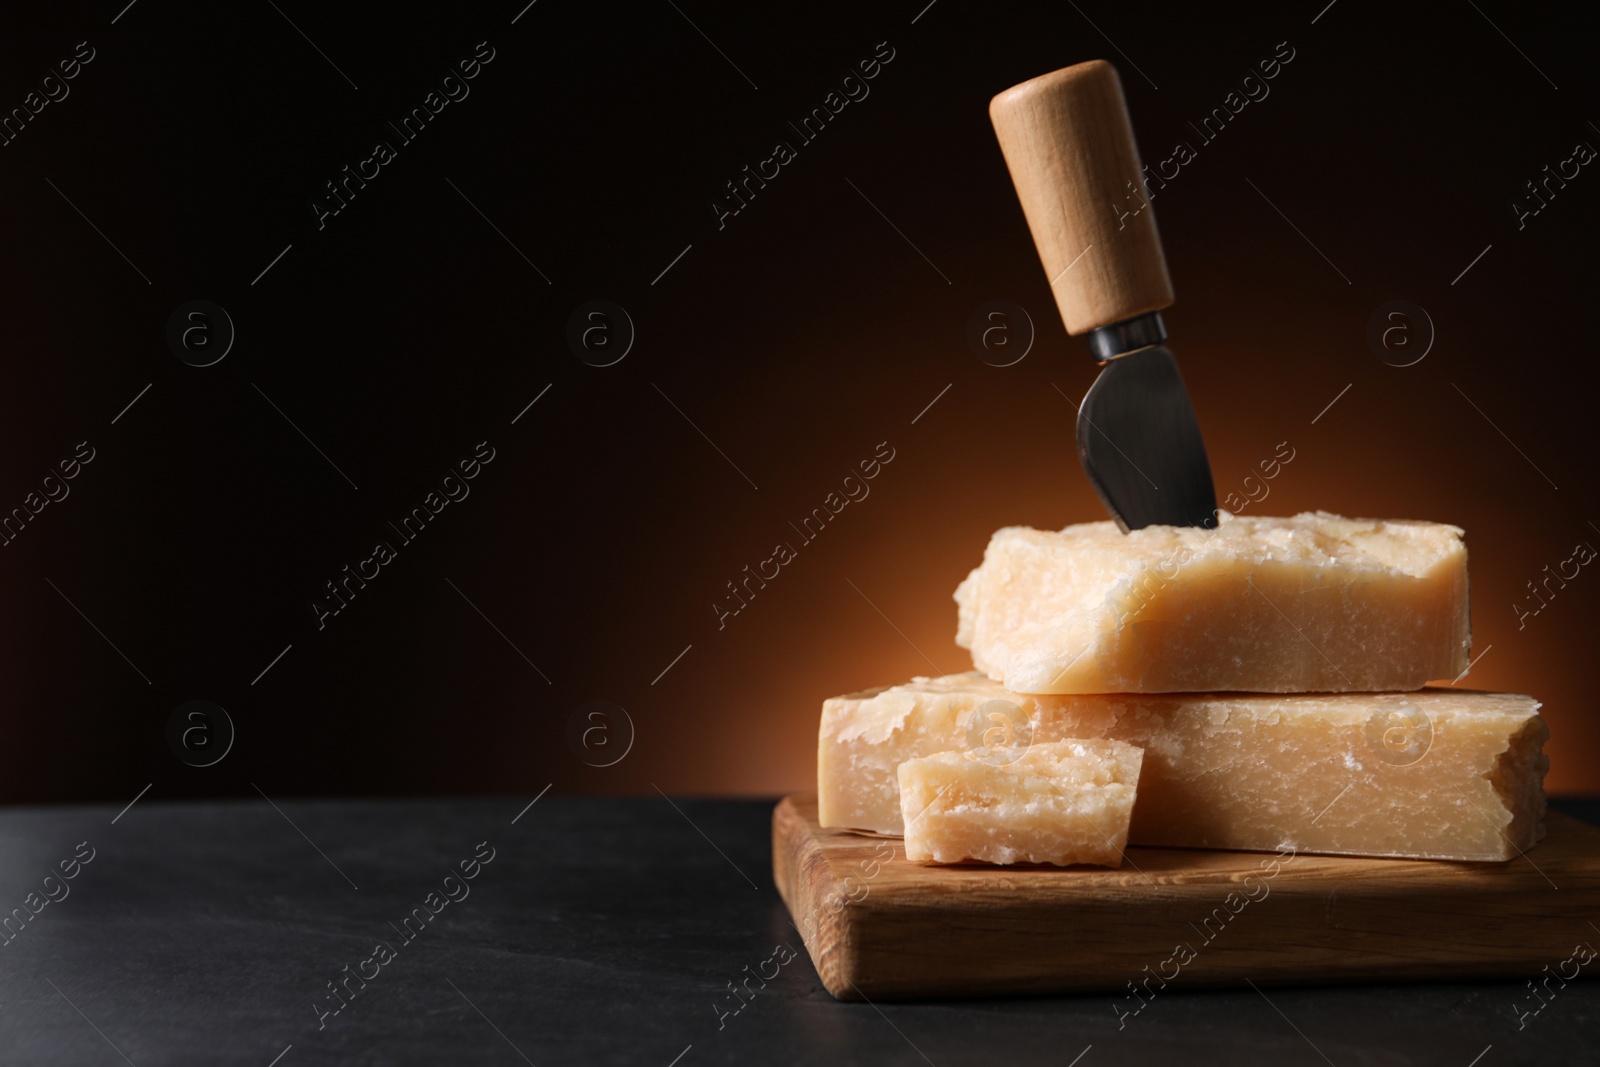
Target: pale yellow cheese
{"x":1315,"y":603}
{"x":1063,"y":802}
{"x":864,"y":737}
{"x":1437,"y":774}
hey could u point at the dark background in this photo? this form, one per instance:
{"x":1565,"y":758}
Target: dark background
{"x":796,"y":339}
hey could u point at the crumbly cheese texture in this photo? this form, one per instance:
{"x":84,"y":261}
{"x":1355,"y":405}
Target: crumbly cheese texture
{"x":1063,"y":802}
{"x":1438,"y":774}
{"x":1315,"y":603}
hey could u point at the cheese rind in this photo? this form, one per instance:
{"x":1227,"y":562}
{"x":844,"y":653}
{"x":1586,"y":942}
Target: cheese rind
{"x":1316,"y":603}
{"x":1064,"y":802}
{"x":1438,"y":774}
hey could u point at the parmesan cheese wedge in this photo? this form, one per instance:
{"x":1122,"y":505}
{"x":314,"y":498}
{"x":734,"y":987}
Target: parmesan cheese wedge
{"x":1315,"y":603}
{"x":1438,"y":774}
{"x":1064,"y":802}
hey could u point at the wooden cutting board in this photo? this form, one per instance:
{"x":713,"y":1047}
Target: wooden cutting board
{"x":881,"y":927}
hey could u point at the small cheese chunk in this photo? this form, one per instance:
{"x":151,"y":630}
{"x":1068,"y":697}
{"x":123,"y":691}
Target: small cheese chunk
{"x":1315,"y":603}
{"x":1064,"y":802}
{"x":1438,"y":774}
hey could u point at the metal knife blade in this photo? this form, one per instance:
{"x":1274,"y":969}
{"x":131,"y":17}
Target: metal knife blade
{"x":1140,"y":444}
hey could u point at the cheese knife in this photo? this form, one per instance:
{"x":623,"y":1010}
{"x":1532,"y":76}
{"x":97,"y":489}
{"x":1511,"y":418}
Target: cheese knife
{"x":1068,"y":143}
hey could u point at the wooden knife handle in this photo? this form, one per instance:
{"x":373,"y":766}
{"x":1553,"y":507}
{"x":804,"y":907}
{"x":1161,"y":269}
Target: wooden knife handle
{"x":1069,"y":146}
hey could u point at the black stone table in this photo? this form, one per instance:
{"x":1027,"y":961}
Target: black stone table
{"x":594,"y":931}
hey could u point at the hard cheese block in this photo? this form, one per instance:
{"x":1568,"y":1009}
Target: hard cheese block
{"x":1437,"y":774}
{"x":1064,"y":802}
{"x":1315,"y":603}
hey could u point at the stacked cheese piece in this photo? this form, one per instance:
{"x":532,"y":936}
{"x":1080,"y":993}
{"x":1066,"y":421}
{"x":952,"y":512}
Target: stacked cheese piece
{"x":1256,"y":686}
